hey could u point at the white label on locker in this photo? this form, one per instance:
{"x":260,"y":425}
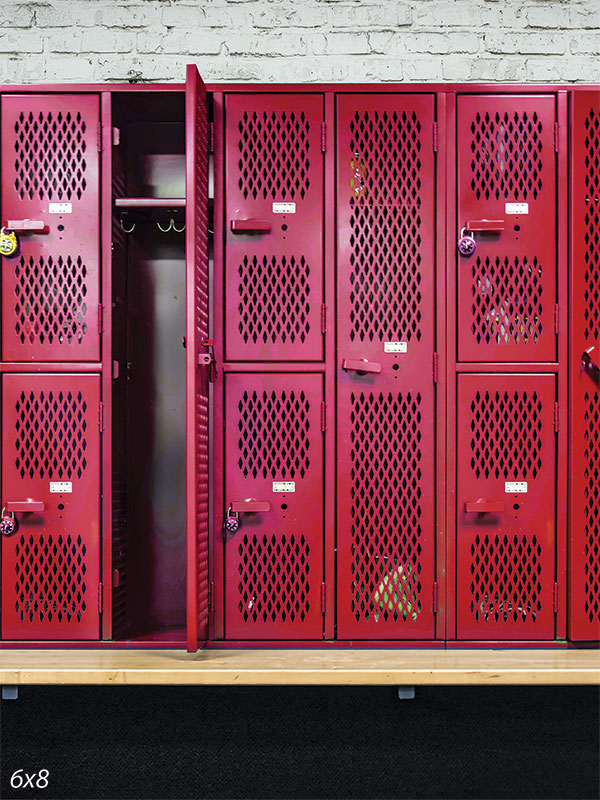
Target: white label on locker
{"x":61,"y":487}
{"x":515,"y":487}
{"x":284,"y":208}
{"x":60,"y":208}
{"x":284,"y":486}
{"x":395,"y":347}
{"x":516,"y":208}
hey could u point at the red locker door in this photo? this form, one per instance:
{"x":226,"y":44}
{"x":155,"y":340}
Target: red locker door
{"x":51,"y":463}
{"x":274,"y":219}
{"x":274,"y":455}
{"x":585,"y":362}
{"x":507,"y":186}
{"x":386,"y":400}
{"x":50,"y":287}
{"x":505,"y":506}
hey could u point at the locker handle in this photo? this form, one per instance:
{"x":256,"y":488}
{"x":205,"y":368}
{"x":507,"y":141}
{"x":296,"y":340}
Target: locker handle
{"x":589,"y":366}
{"x":485,"y":225}
{"x":250,"y":506}
{"x":26,"y":506}
{"x":484,"y":506}
{"x":360,"y":365}
{"x":27,"y":225}
{"x":250,"y":226}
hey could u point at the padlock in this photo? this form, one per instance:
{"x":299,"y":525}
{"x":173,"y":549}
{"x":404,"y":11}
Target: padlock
{"x":8,"y":523}
{"x":9,"y":244}
{"x":466,"y":244}
{"x":232,"y":521}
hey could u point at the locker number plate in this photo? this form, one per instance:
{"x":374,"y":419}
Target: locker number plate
{"x":515,"y":487}
{"x":60,"y":208}
{"x":395,"y":347}
{"x":516,"y":208}
{"x":61,"y":487}
{"x":284,"y":208}
{"x":284,"y":486}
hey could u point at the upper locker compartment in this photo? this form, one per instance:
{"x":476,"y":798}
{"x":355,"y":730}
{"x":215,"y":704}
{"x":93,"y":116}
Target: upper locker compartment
{"x":274,"y":227}
{"x":506,"y":193}
{"x":50,"y":198}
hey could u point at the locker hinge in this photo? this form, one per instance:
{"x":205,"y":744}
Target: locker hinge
{"x":555,"y":598}
{"x":435,"y":597}
{"x":435,"y":137}
{"x":100,"y":315}
{"x":99,"y":136}
{"x":100,"y":416}
{"x":556,"y":137}
{"x":208,"y":359}
{"x":211,"y":597}
{"x":556,"y":418}
{"x":435,"y":367}
{"x":100,"y":598}
{"x":323,"y":318}
{"x":323,"y":599}
{"x":323,"y":137}
{"x":323,"y":416}
{"x":211,"y":137}
{"x":556,"y":318}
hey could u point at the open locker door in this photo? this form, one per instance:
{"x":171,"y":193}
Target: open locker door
{"x":198,"y":364}
{"x":584,"y":554}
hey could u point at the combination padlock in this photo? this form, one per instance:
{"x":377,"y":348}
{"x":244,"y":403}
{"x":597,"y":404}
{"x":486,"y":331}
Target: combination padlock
{"x":232,"y":521}
{"x":9,"y":244}
{"x":8,"y":523}
{"x":466,"y":244}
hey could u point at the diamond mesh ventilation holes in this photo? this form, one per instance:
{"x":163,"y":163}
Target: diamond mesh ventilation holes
{"x":50,"y":300}
{"x":506,"y":156}
{"x":273,"y":572}
{"x":50,"y":156}
{"x":591,"y":311}
{"x":50,"y":432}
{"x":506,"y":433}
{"x":386,"y":506}
{"x":274,"y":299}
{"x":592,"y":505}
{"x":505,"y":577}
{"x":507,"y":300}
{"x":50,"y":578}
{"x":385,"y":223}
{"x":274,"y":438}
{"x":274,"y":155}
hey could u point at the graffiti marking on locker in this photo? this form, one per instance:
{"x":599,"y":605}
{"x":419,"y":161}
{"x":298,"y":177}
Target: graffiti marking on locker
{"x":284,"y":486}
{"x":61,"y":487}
{"x":515,"y":487}
{"x":395,"y":347}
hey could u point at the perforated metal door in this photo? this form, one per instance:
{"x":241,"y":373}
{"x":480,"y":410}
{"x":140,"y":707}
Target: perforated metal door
{"x":50,"y":288}
{"x":274,"y":200}
{"x":274,"y":453}
{"x":51,"y":455}
{"x":505,"y":506}
{"x":507,"y":182}
{"x":386,"y":439}
{"x":585,"y":360}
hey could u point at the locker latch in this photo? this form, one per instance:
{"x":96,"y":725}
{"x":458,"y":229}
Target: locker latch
{"x":208,"y":359}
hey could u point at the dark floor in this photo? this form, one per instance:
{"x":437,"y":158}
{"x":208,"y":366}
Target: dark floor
{"x":141,"y":742}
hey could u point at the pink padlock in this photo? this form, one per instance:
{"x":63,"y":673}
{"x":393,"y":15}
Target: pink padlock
{"x":8,"y":523}
{"x":466,"y":244}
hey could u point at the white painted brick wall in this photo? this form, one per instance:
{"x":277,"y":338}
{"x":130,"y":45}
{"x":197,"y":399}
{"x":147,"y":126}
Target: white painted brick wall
{"x":305,"y":40}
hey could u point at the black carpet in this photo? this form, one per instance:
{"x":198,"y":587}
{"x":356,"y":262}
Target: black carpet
{"x":458,"y":742}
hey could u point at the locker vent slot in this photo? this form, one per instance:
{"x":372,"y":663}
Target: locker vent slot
{"x":507,"y":156}
{"x":274,"y":155}
{"x":50,"y":155}
{"x":274,"y":305}
{"x":506,"y":435}
{"x":50,"y":578}
{"x":51,"y":435}
{"x":385,"y":227}
{"x":386,"y":507}
{"x":274,"y":440}
{"x":507,"y":300}
{"x":506,"y":577}
{"x":592,"y":503}
{"x":592,"y":228}
{"x":274,"y":573}
{"x":51,"y":300}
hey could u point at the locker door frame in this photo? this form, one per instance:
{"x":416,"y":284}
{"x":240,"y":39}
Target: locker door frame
{"x":560,"y":367}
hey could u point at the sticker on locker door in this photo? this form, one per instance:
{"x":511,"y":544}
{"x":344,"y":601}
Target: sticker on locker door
{"x":61,"y":487}
{"x":515,"y":487}
{"x":60,"y":208}
{"x":284,"y":486}
{"x":516,"y":208}
{"x":395,"y":347}
{"x":284,"y":208}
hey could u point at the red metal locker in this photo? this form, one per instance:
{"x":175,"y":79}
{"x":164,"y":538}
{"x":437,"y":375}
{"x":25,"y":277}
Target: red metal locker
{"x":506,"y":499}
{"x":585,"y":361}
{"x":51,"y":472}
{"x":274,"y":470}
{"x":386,"y":398}
{"x":507,"y":200}
{"x":274,"y":219}
{"x":50,"y":196}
